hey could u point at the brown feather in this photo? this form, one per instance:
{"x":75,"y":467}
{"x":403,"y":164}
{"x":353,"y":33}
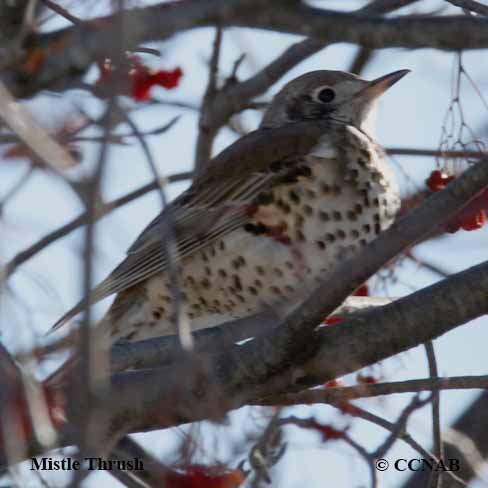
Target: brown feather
{"x":212,"y":207}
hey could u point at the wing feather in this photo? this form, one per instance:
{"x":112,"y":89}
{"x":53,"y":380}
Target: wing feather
{"x":195,"y":226}
{"x":215,"y":205}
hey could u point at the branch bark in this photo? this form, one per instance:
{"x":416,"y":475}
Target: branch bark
{"x":251,"y":370}
{"x":148,"y":397}
{"x":471,"y":6}
{"x":164,"y":397}
{"x":295,"y":355}
{"x":69,"y":52}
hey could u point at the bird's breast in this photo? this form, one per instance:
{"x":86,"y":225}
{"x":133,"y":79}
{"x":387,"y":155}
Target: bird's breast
{"x":296,"y":232}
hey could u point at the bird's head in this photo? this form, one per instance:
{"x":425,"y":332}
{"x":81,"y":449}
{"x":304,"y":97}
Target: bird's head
{"x":328,"y":95}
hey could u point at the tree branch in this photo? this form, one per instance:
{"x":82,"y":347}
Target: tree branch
{"x":395,"y":328}
{"x":69,"y":52}
{"x":295,"y":356}
{"x":82,"y":219}
{"x":164,"y":397}
{"x":161,"y":351}
{"x":292,"y":339}
{"x":470,"y":5}
{"x":467,"y":441}
{"x":206,"y":133}
{"x":346,"y":393}
{"x":159,"y":398}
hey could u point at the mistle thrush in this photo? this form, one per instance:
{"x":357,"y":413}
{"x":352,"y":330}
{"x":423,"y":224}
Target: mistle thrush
{"x":257,"y":238}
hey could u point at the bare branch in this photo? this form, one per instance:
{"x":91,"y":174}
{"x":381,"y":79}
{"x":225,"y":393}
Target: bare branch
{"x":105,"y":209}
{"x":438,"y":153}
{"x":32,"y":134}
{"x":471,"y":6}
{"x":433,"y":268}
{"x":163,"y":350}
{"x":466,"y":441}
{"x":382,"y":332}
{"x":337,"y":394}
{"x":363,"y":57}
{"x":384,"y":6}
{"x":206,"y":133}
{"x":61,"y":11}
{"x":292,"y":339}
{"x":435,"y":478}
{"x":236,"y":96}
{"x":400,"y":426}
{"x":70,"y":52}
{"x":149,"y":399}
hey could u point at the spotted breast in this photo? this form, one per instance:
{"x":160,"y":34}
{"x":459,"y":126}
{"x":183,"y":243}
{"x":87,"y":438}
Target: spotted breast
{"x":320,"y":210}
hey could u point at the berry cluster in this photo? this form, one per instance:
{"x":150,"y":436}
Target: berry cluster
{"x":472,"y":216}
{"x":136,"y":78}
{"x":203,"y":477}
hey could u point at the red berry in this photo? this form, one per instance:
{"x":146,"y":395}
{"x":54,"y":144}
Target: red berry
{"x":470,"y":218}
{"x":438,"y":180}
{"x":141,"y":85}
{"x":333,"y":383}
{"x":335,"y":319}
{"x":328,"y":432}
{"x":168,"y":79}
{"x":366,"y":379}
{"x":474,"y":221}
{"x":143,"y":80}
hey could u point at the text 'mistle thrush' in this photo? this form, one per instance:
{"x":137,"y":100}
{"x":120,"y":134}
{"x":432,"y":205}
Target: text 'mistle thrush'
{"x":261,"y":238}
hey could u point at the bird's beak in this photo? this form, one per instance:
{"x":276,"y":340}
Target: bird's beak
{"x":377,"y":87}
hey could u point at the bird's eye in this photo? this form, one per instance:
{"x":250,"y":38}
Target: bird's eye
{"x":326,"y":95}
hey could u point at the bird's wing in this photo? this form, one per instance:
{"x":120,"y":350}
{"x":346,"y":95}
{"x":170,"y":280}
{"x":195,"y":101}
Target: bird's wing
{"x":216,"y":204}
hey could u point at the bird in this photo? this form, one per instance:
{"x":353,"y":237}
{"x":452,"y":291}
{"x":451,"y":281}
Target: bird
{"x":259,"y":236}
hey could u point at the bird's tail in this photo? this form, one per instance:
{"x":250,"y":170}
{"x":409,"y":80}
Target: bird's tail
{"x":100,"y":345}
{"x":79,"y":307}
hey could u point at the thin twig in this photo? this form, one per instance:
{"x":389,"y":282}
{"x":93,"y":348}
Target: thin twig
{"x":62,"y":12}
{"x":206,"y":133}
{"x":147,"y":50}
{"x":91,"y":379}
{"x":368,"y":459}
{"x":433,"y":268}
{"x":363,"y":57}
{"x":335,"y":394}
{"x":21,"y":122}
{"x":82,"y":219}
{"x":170,"y":250}
{"x":400,"y":151}
{"x":435,"y":477}
{"x":17,"y":186}
{"x":376,"y":7}
{"x":471,"y":6}
{"x":400,"y":425}
{"x":404,"y":436}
